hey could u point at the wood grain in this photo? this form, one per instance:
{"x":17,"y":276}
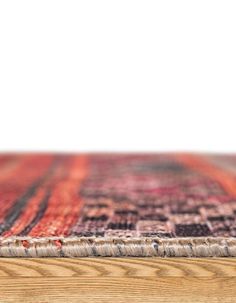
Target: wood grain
{"x":117,"y":267}
{"x":116,"y":280}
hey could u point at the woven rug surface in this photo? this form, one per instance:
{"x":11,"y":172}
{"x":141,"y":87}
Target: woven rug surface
{"x":117,"y":205}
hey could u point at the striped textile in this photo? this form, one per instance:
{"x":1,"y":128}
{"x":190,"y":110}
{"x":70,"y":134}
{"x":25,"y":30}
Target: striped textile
{"x":117,"y":205}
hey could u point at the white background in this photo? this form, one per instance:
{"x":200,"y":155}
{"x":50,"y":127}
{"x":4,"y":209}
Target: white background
{"x":118,"y":75}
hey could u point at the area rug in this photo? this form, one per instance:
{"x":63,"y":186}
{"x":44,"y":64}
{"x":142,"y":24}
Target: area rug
{"x":117,"y":205}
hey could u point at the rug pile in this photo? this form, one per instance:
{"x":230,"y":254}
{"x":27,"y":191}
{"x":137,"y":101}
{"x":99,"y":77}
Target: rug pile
{"x":117,"y":205}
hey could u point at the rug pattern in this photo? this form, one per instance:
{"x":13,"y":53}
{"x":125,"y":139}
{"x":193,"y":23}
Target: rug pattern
{"x":118,"y":195}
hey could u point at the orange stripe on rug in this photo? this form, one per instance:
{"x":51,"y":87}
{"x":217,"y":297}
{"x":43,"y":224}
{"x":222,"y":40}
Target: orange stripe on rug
{"x":60,"y":216}
{"x":200,"y":164}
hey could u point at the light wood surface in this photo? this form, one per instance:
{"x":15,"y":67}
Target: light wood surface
{"x":114,"y":280}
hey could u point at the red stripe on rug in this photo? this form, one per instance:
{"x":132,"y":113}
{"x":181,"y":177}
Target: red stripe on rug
{"x":32,"y":209}
{"x":64,"y":203}
{"x":201,"y":165}
{"x":18,"y":180}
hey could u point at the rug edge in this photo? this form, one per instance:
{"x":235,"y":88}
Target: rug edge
{"x":117,"y":247}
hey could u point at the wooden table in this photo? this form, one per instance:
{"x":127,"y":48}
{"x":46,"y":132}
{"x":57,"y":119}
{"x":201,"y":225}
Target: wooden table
{"x":113,"y":280}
